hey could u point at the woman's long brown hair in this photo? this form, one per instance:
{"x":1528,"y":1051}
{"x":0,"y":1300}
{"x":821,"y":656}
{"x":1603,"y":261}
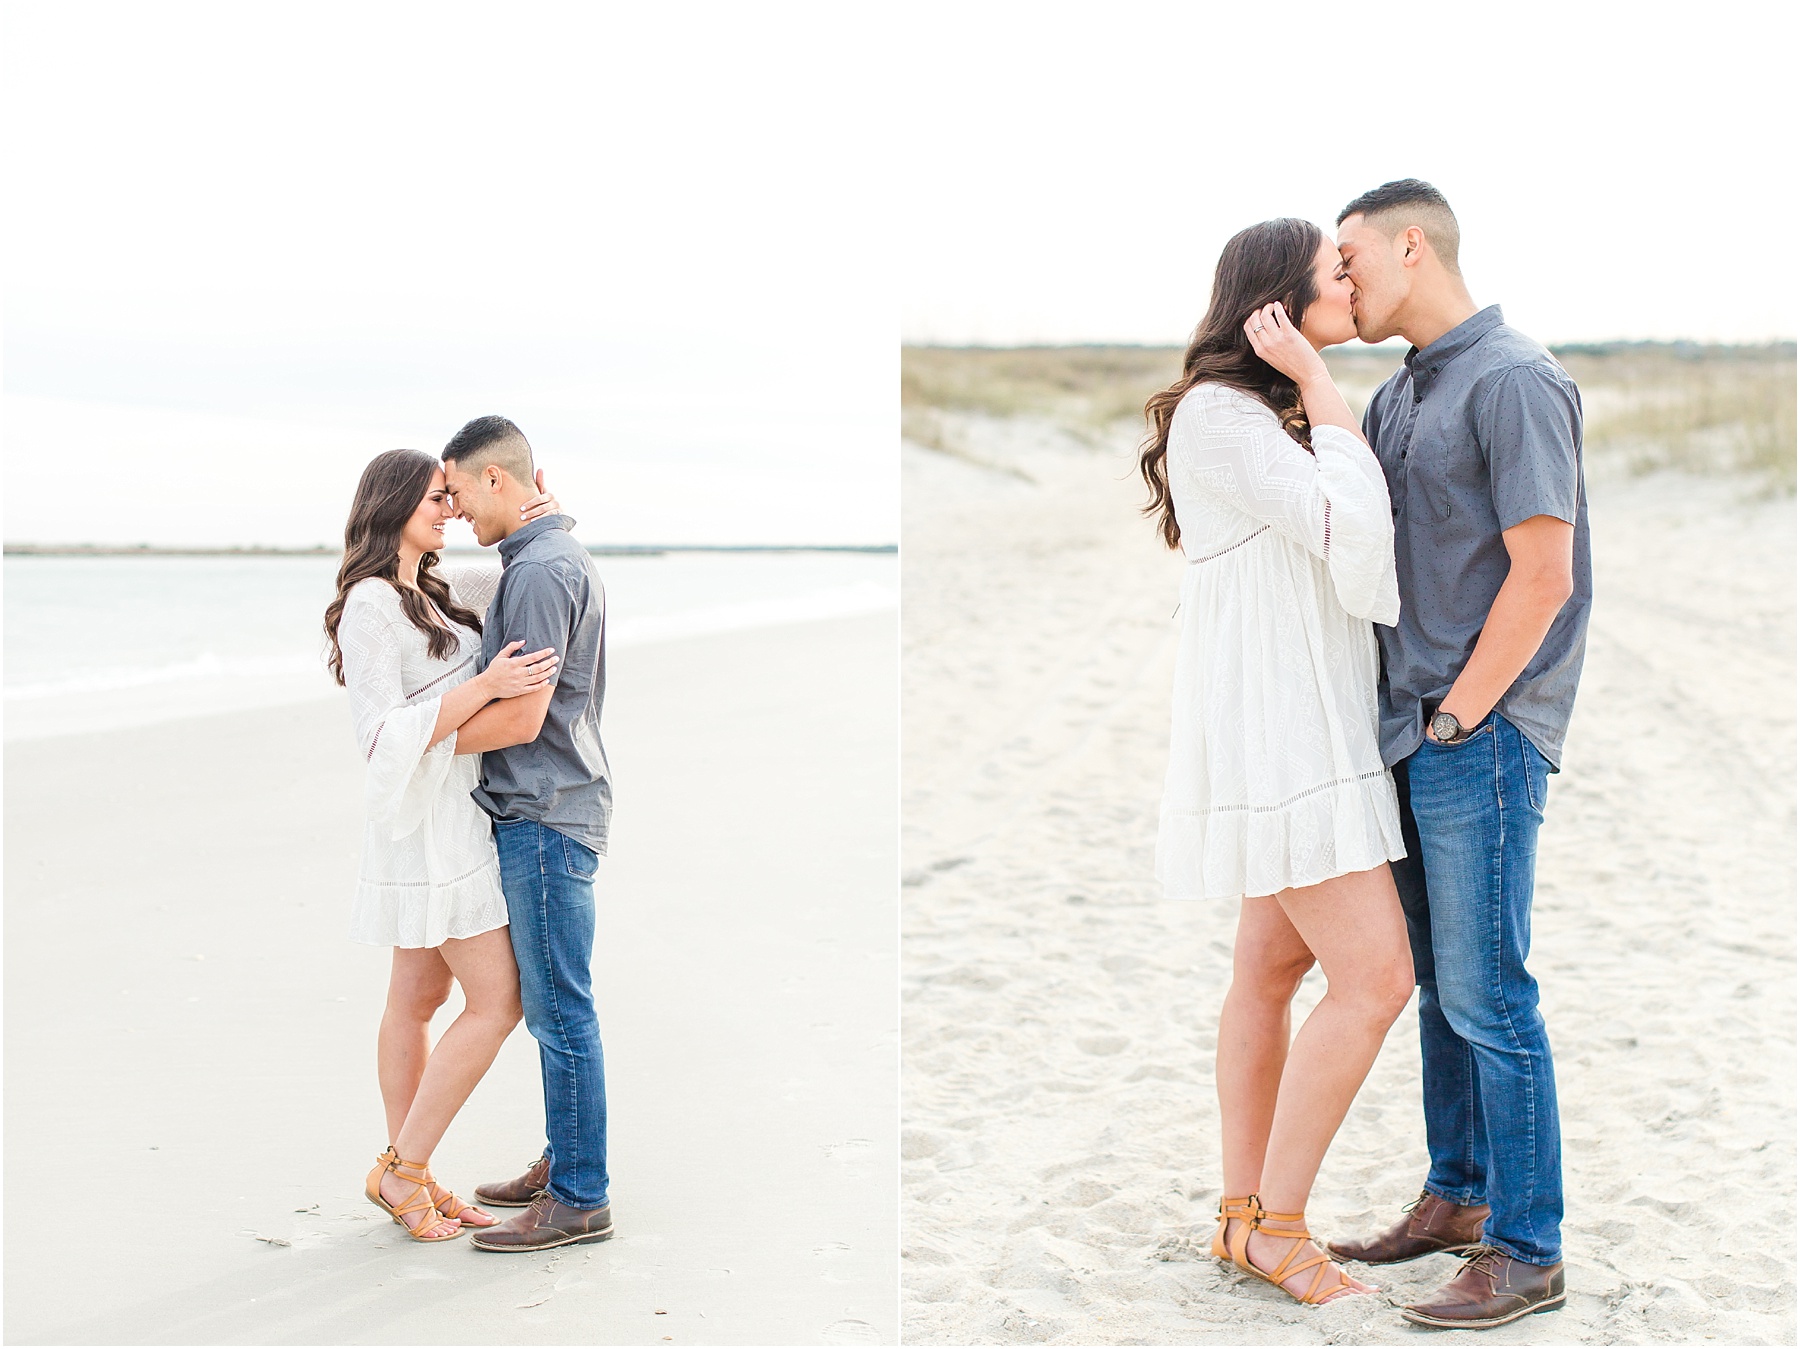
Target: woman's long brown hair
{"x":392,"y":486}
{"x":1265,"y":263}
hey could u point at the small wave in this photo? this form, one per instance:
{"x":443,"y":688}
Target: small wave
{"x":207,"y":666}
{"x":839,"y":602}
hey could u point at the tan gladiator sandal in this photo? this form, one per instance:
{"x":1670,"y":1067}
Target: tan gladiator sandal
{"x":1229,"y":1209}
{"x":452,"y":1205}
{"x":1321,"y":1263}
{"x":419,"y":1201}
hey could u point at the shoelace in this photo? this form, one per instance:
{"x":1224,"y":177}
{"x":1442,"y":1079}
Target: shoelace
{"x":1483,"y":1259}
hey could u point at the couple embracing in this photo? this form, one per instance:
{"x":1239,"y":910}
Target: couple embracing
{"x":476,"y":702}
{"x":1383,"y":628}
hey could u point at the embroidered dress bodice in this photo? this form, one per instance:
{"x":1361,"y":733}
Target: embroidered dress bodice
{"x":429,"y":871}
{"x":1275,"y":778}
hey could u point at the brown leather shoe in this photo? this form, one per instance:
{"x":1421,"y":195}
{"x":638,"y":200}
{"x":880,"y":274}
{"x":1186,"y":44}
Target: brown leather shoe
{"x":546,"y":1222}
{"x":515,"y":1193}
{"x":1491,"y":1289}
{"x":1431,"y":1224}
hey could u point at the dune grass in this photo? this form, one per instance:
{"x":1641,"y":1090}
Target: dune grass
{"x":1648,"y":405}
{"x":1703,"y":409}
{"x":1087,"y":391}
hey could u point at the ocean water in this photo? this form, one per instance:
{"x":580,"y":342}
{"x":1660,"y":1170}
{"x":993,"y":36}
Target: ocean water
{"x":99,"y":642}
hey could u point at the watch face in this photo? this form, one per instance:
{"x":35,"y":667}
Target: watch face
{"x":1445,"y":726}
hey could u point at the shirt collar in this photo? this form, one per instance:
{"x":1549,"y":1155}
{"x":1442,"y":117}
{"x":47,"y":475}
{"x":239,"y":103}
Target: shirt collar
{"x":1423,"y":365}
{"x":512,"y":543}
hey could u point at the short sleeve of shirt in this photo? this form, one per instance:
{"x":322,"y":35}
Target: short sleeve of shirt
{"x":539,"y":610}
{"x":1530,"y":426}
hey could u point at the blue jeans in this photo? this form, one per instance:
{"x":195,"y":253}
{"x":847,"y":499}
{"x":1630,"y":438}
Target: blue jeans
{"x":548,"y":879}
{"x":1470,"y":814}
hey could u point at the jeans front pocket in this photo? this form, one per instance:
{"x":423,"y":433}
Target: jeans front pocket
{"x":579,"y":860}
{"x":1536,"y":770}
{"x":1486,"y":728}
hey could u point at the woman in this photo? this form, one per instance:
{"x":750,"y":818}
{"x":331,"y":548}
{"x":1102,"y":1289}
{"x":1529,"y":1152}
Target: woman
{"x":1276,"y":794}
{"x":406,"y":646}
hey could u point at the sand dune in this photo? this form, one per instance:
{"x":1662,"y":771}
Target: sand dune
{"x":1060,"y":1144}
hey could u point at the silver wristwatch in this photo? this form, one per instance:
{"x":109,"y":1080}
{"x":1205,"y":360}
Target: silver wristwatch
{"x":1447,"y":730}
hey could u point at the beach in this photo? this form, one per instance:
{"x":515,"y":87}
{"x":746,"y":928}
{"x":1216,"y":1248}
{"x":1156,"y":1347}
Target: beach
{"x":191,"y":1103}
{"x":1060,"y":1146}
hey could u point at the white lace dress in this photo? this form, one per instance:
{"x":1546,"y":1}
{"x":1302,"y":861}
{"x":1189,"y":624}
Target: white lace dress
{"x":1275,"y":777}
{"x":429,"y":870}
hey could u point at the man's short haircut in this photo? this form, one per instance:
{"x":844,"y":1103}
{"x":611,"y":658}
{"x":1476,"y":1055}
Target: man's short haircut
{"x":491,"y":440}
{"x":1394,"y":206}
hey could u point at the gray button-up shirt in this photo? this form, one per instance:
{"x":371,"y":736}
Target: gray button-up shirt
{"x":550,"y":596}
{"x":1478,"y":432}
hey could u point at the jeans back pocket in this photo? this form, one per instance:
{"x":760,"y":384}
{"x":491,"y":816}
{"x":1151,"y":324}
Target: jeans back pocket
{"x":579,"y":860}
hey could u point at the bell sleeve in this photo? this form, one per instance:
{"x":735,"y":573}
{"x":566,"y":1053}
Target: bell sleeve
{"x":1332,"y":502}
{"x":405,"y":771}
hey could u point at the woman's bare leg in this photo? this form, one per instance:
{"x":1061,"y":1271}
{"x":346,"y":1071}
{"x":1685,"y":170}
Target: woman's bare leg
{"x":484,"y":966}
{"x":1353,"y":925}
{"x":418,"y":985}
{"x":1267,"y":964}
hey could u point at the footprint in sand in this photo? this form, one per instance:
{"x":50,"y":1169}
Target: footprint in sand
{"x":850,"y":1332}
{"x":1103,"y":1044}
{"x":420,"y":1272}
{"x":917,"y":1144}
{"x":1085,"y":1194}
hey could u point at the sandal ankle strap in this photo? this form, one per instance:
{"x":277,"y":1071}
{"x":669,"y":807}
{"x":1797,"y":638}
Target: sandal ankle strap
{"x":1264,"y":1216}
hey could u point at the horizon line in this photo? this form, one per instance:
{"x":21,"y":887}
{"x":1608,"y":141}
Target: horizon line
{"x":322,"y":550}
{"x":1589,"y":345}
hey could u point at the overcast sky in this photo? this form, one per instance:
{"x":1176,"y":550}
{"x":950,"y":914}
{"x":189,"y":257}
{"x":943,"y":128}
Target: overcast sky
{"x":251,"y":245}
{"x":1619,"y":171}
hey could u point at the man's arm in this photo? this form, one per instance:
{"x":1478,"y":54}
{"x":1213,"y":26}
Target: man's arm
{"x":500,"y":725}
{"x":1529,"y":421}
{"x":1538,"y":584}
{"x":538,"y":612}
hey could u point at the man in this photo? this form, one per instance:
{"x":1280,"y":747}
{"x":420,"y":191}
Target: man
{"x":1479,"y":434}
{"x":544,"y":782}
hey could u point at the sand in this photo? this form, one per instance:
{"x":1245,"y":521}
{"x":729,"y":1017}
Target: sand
{"x":1060,"y":1147}
{"x":191,"y":1103}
